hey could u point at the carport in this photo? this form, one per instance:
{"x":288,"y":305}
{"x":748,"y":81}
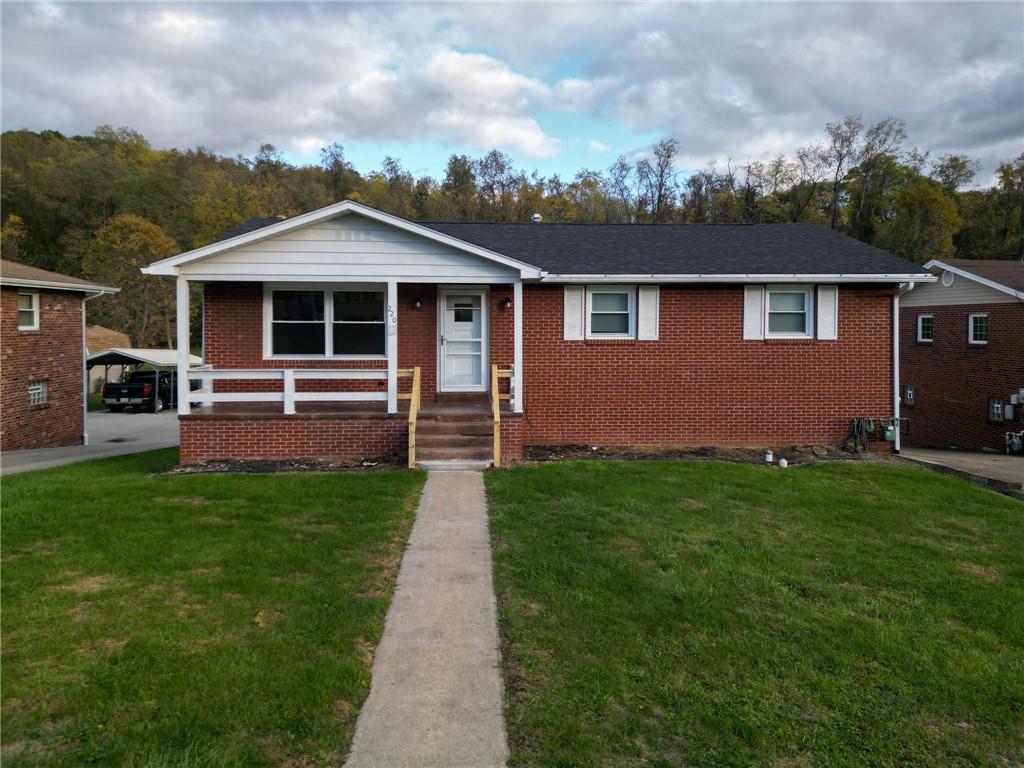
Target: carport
{"x":157,"y":359}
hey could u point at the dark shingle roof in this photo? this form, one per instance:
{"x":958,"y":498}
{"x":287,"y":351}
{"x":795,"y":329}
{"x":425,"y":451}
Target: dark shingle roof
{"x":761,"y":249}
{"x":1008,"y":272}
{"x":16,"y":273}
{"x":249,"y":225}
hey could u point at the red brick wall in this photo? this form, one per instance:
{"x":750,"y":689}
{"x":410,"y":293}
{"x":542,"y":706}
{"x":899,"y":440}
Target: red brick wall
{"x":53,"y":353}
{"x":701,"y":384}
{"x":233,"y":329}
{"x":204,"y":438}
{"x":953,"y":379}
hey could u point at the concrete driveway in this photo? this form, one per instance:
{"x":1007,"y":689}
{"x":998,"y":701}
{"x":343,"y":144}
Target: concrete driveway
{"x":110,"y":434}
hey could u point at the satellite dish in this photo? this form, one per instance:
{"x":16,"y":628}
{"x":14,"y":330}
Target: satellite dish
{"x":948,"y":279}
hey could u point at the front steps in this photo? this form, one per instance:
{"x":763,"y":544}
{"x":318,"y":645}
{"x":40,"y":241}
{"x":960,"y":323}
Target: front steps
{"x":455,"y":432}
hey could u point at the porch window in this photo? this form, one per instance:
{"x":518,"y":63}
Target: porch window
{"x":358,"y":323}
{"x":611,"y":312}
{"x":789,"y":312}
{"x":298,"y":326}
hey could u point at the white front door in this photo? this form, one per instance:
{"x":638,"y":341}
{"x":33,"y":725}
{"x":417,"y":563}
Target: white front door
{"x":462,"y":354}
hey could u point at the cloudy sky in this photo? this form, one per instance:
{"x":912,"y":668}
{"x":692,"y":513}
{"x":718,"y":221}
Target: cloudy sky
{"x":557,"y":86}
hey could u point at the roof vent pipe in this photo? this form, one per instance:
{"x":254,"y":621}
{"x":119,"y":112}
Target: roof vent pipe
{"x":536,"y":218}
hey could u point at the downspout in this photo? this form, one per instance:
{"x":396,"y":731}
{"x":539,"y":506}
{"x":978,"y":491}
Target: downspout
{"x":896,"y":367}
{"x":85,"y":373}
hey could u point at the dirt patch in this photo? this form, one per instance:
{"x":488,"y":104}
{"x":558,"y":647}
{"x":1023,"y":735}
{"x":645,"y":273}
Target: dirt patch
{"x":87,"y":585}
{"x":366,"y":650}
{"x":264,"y":466}
{"x":191,"y":501}
{"x":795,"y":454}
{"x":981,"y":571}
{"x":264,"y":619}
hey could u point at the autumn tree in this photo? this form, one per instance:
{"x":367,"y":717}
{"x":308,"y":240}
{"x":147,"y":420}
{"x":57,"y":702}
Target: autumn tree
{"x":144,"y":308}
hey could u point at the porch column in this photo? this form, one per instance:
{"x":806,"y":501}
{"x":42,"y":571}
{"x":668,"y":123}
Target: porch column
{"x":391,"y":323}
{"x":183,"y":346}
{"x":517,"y":350}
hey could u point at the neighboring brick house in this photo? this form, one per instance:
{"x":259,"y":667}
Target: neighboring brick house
{"x":962,"y":355}
{"x":42,"y":325}
{"x":617,"y":335}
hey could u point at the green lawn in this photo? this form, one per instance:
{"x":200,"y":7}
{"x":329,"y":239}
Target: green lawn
{"x":96,"y":402}
{"x":713,"y":614}
{"x":200,"y":620}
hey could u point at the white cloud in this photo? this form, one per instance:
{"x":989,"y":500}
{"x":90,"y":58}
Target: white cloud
{"x":729,"y":81}
{"x":598,"y":146}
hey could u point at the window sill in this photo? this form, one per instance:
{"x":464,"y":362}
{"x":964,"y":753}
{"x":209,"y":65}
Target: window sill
{"x":925,"y":342}
{"x":28,"y":330}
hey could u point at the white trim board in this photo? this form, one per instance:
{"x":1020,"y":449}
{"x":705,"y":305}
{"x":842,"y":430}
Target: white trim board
{"x":925,"y":277}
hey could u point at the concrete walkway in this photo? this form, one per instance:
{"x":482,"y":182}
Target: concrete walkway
{"x":436,"y":695}
{"x":110,"y":434}
{"x":999,"y":471}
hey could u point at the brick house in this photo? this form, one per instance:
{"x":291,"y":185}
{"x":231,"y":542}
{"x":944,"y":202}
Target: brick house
{"x":351,"y":332}
{"x":42,"y":398}
{"x":962,"y":355}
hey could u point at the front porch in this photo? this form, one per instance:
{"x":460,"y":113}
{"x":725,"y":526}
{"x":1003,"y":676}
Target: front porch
{"x":353,"y":407}
{"x":329,"y":320}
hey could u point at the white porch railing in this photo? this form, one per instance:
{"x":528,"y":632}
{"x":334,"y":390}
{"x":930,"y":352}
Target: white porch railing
{"x":288,"y":394}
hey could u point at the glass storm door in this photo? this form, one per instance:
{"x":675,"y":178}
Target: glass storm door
{"x":462,"y":341}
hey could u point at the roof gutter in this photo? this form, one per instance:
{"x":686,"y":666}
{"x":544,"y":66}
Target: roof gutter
{"x":52,"y":285}
{"x":921,"y":277}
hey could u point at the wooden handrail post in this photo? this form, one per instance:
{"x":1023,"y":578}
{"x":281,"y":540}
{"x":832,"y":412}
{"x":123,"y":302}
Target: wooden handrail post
{"x":496,"y":411}
{"x":414,"y":408}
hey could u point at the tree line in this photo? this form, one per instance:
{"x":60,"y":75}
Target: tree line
{"x":100,"y":206}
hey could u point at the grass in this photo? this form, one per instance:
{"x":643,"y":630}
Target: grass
{"x":96,"y":402}
{"x":192,"y":620}
{"x":712,"y":614}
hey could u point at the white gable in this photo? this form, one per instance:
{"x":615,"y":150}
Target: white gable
{"x":348,"y":247}
{"x":344,"y":241}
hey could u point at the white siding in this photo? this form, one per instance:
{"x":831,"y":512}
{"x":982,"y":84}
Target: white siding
{"x":348,"y":247}
{"x":963,"y":291}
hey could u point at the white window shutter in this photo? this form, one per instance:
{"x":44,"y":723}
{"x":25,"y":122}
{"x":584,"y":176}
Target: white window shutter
{"x":647,"y":313}
{"x":753,"y":312}
{"x":828,"y":312}
{"x":573,"y":312}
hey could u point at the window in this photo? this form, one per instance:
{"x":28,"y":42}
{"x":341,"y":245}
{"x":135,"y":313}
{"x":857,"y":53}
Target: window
{"x":789,"y":312}
{"x":28,"y":311}
{"x":358,"y":323}
{"x":995,"y":410}
{"x":925,"y":328}
{"x":331,"y":322}
{"x":908,"y":395}
{"x":298,"y":325}
{"x":37,"y":392}
{"x":611,"y":312}
{"x":977,"y":329}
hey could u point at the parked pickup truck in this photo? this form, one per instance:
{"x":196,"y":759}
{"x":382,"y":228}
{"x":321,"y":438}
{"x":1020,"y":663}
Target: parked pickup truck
{"x":139,"y":389}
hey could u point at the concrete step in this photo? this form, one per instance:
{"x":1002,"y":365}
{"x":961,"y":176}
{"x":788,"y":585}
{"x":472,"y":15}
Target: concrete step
{"x":453,"y":465}
{"x":432,"y":427}
{"x":448,"y":440}
{"x":432,"y":453}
